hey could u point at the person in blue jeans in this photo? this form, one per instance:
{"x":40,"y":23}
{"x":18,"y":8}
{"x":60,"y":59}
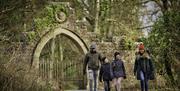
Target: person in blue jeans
{"x":106,"y":73}
{"x":143,"y":68}
{"x":92,"y":62}
{"x":119,"y":72}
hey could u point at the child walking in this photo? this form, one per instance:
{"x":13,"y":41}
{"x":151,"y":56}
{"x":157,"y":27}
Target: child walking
{"x":106,"y":73}
{"x":118,"y":71}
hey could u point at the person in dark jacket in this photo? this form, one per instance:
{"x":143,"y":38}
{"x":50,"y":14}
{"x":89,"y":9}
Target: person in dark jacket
{"x":92,"y":61}
{"x":143,"y":68}
{"x":106,"y":73}
{"x":118,"y":71}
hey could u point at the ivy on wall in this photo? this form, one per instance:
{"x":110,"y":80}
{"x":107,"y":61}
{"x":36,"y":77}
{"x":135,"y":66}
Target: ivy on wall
{"x":46,"y":18}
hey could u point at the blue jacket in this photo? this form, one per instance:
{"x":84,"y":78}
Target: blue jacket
{"x":106,"y":72}
{"x":118,"y":69}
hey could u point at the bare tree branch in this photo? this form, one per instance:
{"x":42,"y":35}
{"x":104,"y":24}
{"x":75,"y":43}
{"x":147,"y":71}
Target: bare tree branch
{"x":140,"y":28}
{"x":85,"y":5}
{"x":7,"y":10}
{"x":144,"y":2}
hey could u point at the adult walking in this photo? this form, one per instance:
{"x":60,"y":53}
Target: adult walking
{"x":143,"y":68}
{"x":92,"y":62}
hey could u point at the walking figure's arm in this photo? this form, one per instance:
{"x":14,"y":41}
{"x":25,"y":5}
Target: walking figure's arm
{"x":135,"y":66}
{"x":100,"y":74}
{"x":151,"y":64}
{"x":85,"y":64}
{"x":124,"y":70}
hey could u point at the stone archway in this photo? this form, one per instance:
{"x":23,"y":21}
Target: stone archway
{"x":76,"y":40}
{"x":70,"y":34}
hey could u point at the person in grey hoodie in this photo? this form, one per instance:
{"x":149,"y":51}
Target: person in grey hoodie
{"x":92,"y":62}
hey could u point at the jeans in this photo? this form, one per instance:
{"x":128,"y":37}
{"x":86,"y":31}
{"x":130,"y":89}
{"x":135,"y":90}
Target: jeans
{"x":144,"y":82}
{"x":107,"y":85}
{"x":93,"y":74}
{"x":144,"y":85}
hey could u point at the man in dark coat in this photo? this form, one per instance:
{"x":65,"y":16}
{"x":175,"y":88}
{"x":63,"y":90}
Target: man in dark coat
{"x":143,"y":68}
{"x":92,"y":62}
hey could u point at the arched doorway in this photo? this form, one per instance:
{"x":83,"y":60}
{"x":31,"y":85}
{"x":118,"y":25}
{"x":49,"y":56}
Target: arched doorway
{"x":58,"y":56}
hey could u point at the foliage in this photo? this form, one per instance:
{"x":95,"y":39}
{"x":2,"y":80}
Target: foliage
{"x":22,"y":22}
{"x":163,"y":42}
{"x":46,"y":18}
{"x":17,"y":32}
{"x":120,"y":18}
{"x":163,"y":39}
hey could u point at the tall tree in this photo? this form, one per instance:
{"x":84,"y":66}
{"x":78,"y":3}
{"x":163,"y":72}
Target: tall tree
{"x":163,"y":38}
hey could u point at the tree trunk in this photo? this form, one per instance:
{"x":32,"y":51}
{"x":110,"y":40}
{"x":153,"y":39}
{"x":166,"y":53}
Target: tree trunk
{"x":96,"y":28}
